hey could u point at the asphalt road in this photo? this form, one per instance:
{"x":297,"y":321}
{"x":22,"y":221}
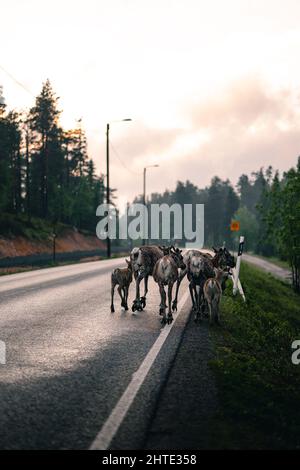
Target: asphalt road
{"x":69,"y":362}
{"x":277,"y":271}
{"x":69,"y":359}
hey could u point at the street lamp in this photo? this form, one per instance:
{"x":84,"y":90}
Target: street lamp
{"x":144,"y":185}
{"x":108,"y":245}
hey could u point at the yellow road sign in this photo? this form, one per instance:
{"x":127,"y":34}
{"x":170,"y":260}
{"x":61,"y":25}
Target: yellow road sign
{"x":235,"y":226}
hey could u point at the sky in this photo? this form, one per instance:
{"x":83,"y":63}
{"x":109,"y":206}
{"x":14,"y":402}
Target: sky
{"x":212,"y":87}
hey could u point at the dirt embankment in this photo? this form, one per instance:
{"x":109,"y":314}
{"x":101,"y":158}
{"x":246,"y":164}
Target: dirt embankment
{"x":69,"y":240}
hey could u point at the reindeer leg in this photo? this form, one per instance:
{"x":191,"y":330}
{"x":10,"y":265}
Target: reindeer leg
{"x":210,"y":312}
{"x":162,"y":310}
{"x":112,"y":308}
{"x":170,"y":288}
{"x":180,"y":277}
{"x":126,"y":297}
{"x":202,"y":302}
{"x":192,"y":296}
{"x":137,"y":305}
{"x":143,"y":299}
{"x":216,"y":312}
{"x":205,"y":312}
{"x":196,"y":305}
{"x":120,"y":291}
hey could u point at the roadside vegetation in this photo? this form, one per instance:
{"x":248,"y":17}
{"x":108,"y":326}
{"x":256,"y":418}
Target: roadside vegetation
{"x":259,"y":387}
{"x":33,"y":228}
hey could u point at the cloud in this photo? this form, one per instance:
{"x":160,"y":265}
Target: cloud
{"x":244,"y":127}
{"x":249,"y":126}
{"x":245,"y":103}
{"x":142,"y":142}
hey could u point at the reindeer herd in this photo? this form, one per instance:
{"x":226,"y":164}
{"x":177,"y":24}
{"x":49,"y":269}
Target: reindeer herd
{"x":206,"y":273}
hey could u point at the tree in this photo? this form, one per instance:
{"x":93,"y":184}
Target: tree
{"x":10,"y":160}
{"x":249,"y":227}
{"x":281,"y":214}
{"x":4,"y":158}
{"x":44,"y":124}
{"x":289,"y":229}
{"x":221,"y":204}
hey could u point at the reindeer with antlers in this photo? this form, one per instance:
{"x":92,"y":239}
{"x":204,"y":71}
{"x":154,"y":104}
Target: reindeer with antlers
{"x":165,"y":273}
{"x":222,"y":258}
{"x":143,"y":260}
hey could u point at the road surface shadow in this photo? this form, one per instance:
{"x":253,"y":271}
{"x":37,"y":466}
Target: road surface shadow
{"x":189,"y":399}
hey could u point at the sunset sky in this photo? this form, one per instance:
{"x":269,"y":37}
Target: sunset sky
{"x":212,"y":87}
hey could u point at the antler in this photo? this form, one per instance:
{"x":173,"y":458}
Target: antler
{"x":164,"y":249}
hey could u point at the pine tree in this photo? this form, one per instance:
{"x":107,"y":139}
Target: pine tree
{"x":44,"y":125}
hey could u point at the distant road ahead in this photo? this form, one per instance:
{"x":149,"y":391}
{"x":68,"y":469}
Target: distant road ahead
{"x":268,"y":266}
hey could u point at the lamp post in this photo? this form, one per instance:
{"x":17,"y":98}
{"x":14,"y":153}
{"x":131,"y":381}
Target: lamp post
{"x":108,"y":245}
{"x":54,"y":246}
{"x":144,"y":186}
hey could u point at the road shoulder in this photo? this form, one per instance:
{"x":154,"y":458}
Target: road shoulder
{"x":189,"y":399}
{"x":268,"y":266}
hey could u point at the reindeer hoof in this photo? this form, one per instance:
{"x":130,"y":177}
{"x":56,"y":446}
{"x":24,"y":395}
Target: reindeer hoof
{"x":174,"y":305}
{"x":143,"y":302}
{"x":137,"y":305}
{"x":169,"y":320}
{"x":161,"y":310}
{"x":112,"y":309}
{"x":163,"y":321}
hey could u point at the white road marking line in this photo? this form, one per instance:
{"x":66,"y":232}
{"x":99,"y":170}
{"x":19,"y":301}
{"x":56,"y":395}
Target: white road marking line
{"x":114,"y":421}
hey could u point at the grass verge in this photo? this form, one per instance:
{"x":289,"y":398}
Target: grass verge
{"x":259,"y":387}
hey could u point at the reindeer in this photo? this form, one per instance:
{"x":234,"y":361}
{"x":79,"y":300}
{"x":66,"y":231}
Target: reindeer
{"x":165,"y":273}
{"x":222,"y":258}
{"x":198,"y":270}
{"x":212,"y":290}
{"x":121,"y":277}
{"x":143,"y":260}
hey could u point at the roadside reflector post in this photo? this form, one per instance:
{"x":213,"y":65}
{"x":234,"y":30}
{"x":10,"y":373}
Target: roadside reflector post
{"x":238,"y":265}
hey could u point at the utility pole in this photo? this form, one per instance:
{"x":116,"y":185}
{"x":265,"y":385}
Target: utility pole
{"x":107,"y":182}
{"x":144,"y":187}
{"x":108,"y":244}
{"x":144,"y":194}
{"x":27,"y":172}
{"x":54,"y":245}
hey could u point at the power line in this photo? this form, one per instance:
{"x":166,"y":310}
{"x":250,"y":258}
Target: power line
{"x":120,"y":160}
{"x":16,"y":81}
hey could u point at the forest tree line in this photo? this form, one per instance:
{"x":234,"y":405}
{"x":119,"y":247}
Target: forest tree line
{"x":45,"y":171}
{"x":266,"y":205}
